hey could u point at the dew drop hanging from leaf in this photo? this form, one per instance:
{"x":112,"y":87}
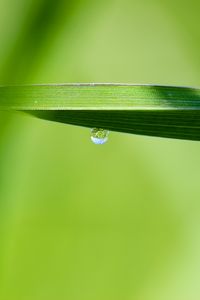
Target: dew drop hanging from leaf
{"x":99,"y":136}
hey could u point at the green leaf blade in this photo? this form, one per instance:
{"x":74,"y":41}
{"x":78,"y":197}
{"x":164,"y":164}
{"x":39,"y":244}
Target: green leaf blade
{"x":164,"y":111}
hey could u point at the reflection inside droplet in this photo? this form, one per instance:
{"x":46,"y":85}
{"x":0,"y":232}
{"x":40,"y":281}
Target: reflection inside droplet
{"x":99,"y":136}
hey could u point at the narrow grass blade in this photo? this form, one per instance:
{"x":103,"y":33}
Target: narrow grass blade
{"x":164,"y":111}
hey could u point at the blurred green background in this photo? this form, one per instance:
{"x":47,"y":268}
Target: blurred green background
{"x":80,"y":221}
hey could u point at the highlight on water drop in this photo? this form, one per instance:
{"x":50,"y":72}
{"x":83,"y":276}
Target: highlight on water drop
{"x":99,"y":136}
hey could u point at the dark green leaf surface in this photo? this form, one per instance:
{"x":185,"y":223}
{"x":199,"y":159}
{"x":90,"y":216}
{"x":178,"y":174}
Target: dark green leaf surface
{"x":163,"y":111}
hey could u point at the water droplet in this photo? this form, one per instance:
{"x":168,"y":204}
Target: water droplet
{"x":99,"y":136}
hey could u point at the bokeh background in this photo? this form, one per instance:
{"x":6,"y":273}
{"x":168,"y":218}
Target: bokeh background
{"x":80,"y":221}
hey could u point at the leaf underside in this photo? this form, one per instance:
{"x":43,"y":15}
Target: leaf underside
{"x":163,"y":111}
